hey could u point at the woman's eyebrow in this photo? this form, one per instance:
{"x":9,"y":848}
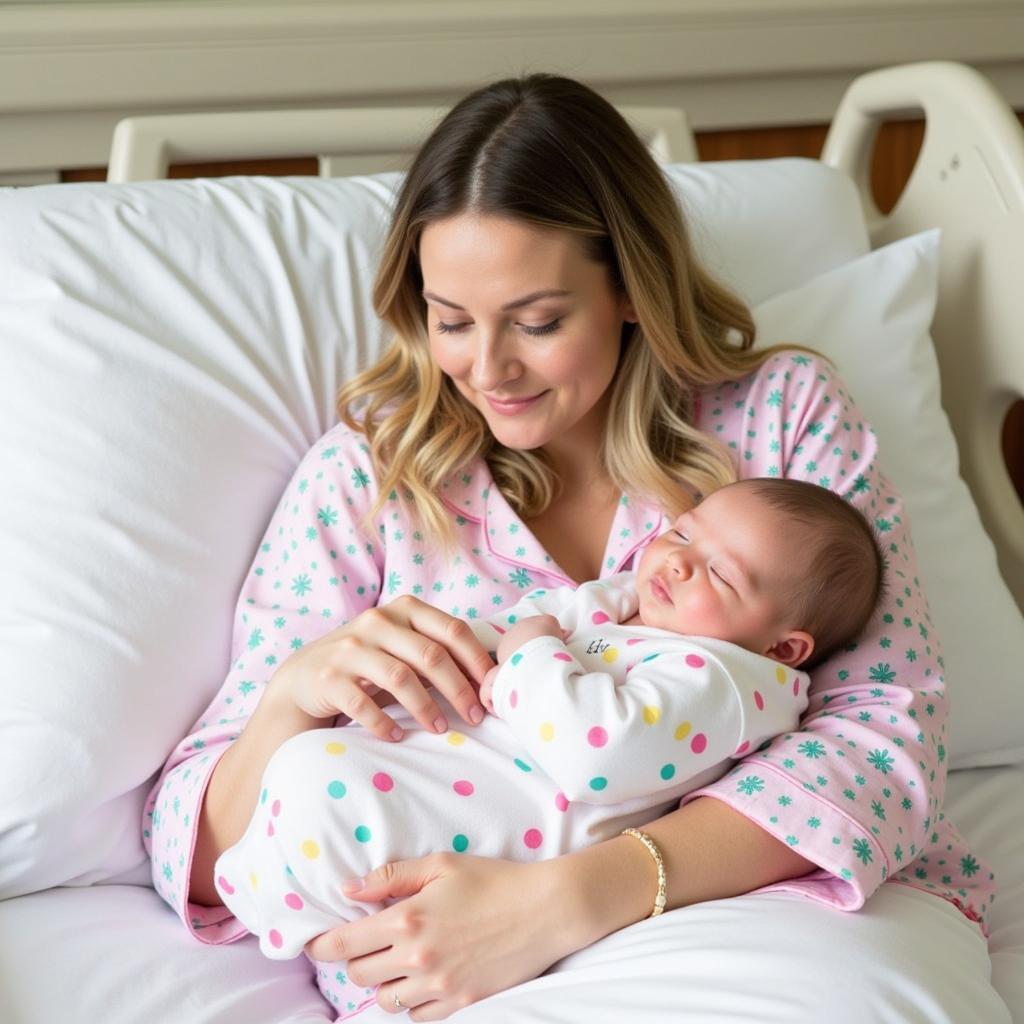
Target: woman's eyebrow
{"x":524,"y":301}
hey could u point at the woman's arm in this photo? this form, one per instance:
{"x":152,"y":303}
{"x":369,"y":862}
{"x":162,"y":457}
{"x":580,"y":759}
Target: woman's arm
{"x":710,"y":852}
{"x":234,"y":787}
{"x":454,"y":934}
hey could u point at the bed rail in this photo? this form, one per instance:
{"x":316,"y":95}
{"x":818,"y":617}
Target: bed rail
{"x":353,"y":140}
{"x":968,"y":181}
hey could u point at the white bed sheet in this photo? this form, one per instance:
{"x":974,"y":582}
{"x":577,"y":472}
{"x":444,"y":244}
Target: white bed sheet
{"x":74,"y":954}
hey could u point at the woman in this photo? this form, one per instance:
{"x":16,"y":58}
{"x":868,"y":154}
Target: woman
{"x":564,"y":379}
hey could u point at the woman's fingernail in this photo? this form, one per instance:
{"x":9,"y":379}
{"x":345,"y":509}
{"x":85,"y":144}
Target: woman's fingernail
{"x":352,"y":885}
{"x":440,"y":724}
{"x":396,"y":733}
{"x":476,"y":714}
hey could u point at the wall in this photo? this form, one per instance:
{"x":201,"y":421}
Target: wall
{"x":70,"y":71}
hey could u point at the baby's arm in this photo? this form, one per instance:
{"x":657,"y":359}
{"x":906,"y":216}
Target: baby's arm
{"x":682,"y":709}
{"x":520,"y":633}
{"x":542,"y":612}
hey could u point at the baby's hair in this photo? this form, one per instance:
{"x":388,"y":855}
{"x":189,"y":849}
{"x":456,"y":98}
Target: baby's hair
{"x":844,"y":573}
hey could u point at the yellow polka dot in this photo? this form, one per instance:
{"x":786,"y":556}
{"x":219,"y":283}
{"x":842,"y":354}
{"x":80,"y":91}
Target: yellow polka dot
{"x":611,"y":654}
{"x":456,"y":739}
{"x":310,"y":849}
{"x":780,"y":673}
{"x":547,"y":731}
{"x":335,"y":748}
{"x":682,"y":731}
{"x":652,"y":715}
{"x":252,"y":879}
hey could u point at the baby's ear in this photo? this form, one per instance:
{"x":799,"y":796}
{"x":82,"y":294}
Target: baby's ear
{"x":793,"y":649}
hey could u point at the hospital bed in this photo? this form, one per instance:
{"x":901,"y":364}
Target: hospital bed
{"x":170,"y":349}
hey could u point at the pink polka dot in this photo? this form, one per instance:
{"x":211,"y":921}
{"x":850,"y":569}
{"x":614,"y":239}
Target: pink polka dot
{"x":270,"y":828}
{"x":463,"y":787}
{"x":563,"y":656}
{"x":533,"y":838}
{"x":741,"y":749}
{"x":225,"y":885}
{"x":498,"y":628}
{"x":796,"y":686}
{"x":275,"y":808}
{"x":699,"y":743}
{"x":694,"y":661}
{"x":597,"y":737}
{"x":759,"y":700}
{"x":275,"y":938}
{"x":635,"y":640}
{"x":561,"y":801}
{"x":599,"y":618}
{"x":383,"y":782}
{"x":294,"y":900}
{"x":513,"y":698}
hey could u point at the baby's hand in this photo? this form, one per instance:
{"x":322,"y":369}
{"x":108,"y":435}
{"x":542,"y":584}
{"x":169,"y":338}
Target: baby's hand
{"x":487,"y":689}
{"x":528,"y":629}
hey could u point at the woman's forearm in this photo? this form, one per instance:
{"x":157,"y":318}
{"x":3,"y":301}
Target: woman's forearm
{"x":710,"y":852}
{"x":231,"y":795}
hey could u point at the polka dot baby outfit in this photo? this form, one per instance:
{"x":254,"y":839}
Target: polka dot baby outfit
{"x":607,"y":729}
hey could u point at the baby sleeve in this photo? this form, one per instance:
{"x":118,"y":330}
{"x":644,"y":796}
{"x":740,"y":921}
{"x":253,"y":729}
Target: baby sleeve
{"x":682,"y":709}
{"x":314,"y":569}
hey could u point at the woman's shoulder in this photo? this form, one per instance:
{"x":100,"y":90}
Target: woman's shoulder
{"x":789,"y":379}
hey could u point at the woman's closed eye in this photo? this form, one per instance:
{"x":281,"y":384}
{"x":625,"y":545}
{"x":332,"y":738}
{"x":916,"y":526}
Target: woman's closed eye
{"x":550,"y":328}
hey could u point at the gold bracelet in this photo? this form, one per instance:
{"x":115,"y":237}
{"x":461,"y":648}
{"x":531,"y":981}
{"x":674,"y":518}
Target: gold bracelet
{"x":659,"y":900}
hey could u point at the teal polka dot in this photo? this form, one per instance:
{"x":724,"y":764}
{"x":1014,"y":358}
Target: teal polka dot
{"x":668,"y":771}
{"x":460,"y":843}
{"x":336,"y":789}
{"x":263,"y":797}
{"x":523,"y":765}
{"x":598,"y":782}
{"x":515,"y":659}
{"x":363,"y":834}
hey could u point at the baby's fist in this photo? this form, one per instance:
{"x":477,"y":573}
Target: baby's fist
{"x":487,"y":689}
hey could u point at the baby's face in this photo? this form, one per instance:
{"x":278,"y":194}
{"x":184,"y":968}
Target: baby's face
{"x":719,"y":572}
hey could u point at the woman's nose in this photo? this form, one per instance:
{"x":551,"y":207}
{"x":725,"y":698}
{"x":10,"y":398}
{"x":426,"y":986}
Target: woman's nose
{"x":493,"y":365}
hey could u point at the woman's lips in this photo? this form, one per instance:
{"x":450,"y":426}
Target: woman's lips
{"x":511,"y":408}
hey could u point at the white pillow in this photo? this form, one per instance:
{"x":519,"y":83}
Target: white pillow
{"x":169,"y":351}
{"x":872,"y":318}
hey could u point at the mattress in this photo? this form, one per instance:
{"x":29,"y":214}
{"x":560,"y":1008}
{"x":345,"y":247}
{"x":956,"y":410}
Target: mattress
{"x":75,"y":954}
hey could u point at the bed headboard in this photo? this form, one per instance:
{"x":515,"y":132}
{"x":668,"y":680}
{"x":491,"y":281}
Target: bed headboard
{"x":968,"y":181}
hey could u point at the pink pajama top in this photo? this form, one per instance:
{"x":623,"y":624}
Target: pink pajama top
{"x":857,"y":789}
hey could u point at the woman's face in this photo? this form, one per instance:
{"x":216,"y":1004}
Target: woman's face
{"x":558,"y":350}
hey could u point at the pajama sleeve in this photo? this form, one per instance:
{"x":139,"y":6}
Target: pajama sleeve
{"x":313,"y":570}
{"x":857,"y":788}
{"x":682,"y":709}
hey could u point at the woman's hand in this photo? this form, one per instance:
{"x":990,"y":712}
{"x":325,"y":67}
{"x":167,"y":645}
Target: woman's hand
{"x":397,"y":648}
{"x":469,"y":927}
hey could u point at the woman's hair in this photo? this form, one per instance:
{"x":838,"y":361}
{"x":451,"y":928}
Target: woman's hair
{"x":841,"y":574}
{"x":550,"y":151}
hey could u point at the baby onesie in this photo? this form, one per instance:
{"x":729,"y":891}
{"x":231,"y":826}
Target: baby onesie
{"x":605,"y":730}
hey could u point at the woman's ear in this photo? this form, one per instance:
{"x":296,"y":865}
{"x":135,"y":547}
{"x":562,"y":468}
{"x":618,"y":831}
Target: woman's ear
{"x":793,"y":649}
